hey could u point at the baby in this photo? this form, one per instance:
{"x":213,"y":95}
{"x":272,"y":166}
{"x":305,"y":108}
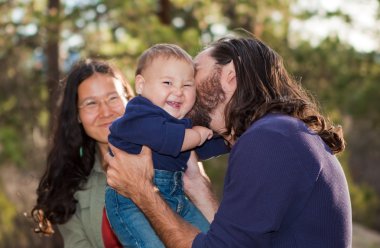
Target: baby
{"x":165,"y":84}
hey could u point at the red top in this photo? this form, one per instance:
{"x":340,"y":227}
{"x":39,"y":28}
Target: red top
{"x":109,"y":238}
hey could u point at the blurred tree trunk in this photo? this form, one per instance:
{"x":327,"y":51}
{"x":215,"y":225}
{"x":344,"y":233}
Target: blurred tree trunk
{"x":242,"y":21}
{"x":52,"y":56}
{"x":164,"y":12}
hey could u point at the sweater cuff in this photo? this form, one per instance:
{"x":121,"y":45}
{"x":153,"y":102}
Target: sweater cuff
{"x":173,"y":139}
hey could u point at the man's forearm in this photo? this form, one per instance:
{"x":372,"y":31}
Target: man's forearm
{"x":170,"y":227}
{"x":134,"y":180}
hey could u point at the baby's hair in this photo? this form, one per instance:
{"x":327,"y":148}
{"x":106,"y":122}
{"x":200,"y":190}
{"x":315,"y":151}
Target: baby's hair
{"x":161,"y":50}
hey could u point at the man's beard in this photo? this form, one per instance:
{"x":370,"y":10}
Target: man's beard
{"x":209,"y":95}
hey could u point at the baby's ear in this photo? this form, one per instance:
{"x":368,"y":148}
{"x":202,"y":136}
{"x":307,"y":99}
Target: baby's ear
{"x":139,"y":84}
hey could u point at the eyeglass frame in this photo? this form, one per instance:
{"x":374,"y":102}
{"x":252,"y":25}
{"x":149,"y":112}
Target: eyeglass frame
{"x":111,"y":101}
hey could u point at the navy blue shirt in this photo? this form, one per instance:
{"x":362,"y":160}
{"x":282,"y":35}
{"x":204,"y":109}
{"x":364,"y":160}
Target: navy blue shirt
{"x":147,"y":124}
{"x":283,"y":188}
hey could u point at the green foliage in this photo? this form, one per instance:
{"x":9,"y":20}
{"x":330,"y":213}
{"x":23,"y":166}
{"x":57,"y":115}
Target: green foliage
{"x":10,"y":141}
{"x":365,"y":204}
{"x":7,"y":215}
{"x":365,"y":98}
{"x":216,"y":169}
{"x":345,"y":82}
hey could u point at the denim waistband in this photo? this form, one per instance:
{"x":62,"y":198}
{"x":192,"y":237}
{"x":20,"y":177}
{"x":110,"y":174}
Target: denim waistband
{"x":168,"y":181}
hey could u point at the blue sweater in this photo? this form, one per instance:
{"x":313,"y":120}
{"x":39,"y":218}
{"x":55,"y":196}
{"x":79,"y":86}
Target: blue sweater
{"x":283,"y":188}
{"x":147,"y":124}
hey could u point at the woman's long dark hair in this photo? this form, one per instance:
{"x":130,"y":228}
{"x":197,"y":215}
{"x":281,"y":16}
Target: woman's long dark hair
{"x":264,"y":86}
{"x":68,"y":168}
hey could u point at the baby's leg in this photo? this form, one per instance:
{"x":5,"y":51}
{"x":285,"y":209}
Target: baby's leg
{"x":193,"y":215}
{"x":129,"y":223}
{"x":170,"y":185}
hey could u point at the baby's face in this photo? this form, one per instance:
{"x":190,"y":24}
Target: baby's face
{"x":169,"y":84}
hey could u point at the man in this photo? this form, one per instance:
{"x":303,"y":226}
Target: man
{"x":283,"y":188}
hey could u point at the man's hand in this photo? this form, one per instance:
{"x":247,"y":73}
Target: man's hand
{"x":131,"y":175}
{"x":128,"y":174}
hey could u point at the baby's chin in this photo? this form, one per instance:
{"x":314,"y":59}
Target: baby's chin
{"x":175,"y":114}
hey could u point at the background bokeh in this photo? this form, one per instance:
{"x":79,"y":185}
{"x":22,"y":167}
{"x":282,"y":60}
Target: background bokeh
{"x":332,"y":47}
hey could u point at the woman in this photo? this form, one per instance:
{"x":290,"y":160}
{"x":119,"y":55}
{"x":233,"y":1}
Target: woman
{"x":71,"y":191}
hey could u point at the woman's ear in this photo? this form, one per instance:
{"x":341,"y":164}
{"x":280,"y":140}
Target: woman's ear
{"x":139,"y":84}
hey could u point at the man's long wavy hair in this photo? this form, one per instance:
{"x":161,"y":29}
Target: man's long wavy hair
{"x":264,"y":86}
{"x":67,"y":168}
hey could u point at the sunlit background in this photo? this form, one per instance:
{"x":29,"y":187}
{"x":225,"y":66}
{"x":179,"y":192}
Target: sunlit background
{"x":331,"y":46}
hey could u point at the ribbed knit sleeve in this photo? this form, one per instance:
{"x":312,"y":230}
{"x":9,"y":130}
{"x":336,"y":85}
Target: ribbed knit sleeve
{"x":283,"y":188}
{"x":265,"y":177}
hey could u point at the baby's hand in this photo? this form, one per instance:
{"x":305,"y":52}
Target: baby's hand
{"x":204,"y":132}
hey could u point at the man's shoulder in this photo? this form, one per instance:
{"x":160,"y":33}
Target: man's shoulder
{"x":272,"y":128}
{"x":279,"y":123}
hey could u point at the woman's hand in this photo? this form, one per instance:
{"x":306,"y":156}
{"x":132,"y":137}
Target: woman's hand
{"x":198,"y":187}
{"x":194,"y":175}
{"x":127,"y":173}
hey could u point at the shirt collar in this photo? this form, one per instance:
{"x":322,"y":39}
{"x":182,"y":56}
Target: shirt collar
{"x":97,"y":165}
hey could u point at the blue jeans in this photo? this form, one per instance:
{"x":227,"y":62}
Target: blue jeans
{"x":129,"y":223}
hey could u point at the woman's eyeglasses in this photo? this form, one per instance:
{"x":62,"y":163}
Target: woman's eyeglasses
{"x":92,"y":105}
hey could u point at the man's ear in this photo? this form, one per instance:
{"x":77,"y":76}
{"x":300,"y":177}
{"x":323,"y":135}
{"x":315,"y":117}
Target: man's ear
{"x":139,"y":84}
{"x":230,"y":77}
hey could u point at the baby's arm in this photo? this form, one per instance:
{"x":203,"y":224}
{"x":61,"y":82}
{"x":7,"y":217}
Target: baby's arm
{"x":195,"y":136}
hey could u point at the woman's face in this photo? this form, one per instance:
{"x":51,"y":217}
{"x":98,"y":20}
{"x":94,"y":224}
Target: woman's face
{"x":101,"y":99}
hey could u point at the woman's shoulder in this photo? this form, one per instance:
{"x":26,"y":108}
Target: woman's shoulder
{"x":94,"y":187}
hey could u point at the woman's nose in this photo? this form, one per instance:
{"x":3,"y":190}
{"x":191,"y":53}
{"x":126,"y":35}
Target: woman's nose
{"x":104,"y":109}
